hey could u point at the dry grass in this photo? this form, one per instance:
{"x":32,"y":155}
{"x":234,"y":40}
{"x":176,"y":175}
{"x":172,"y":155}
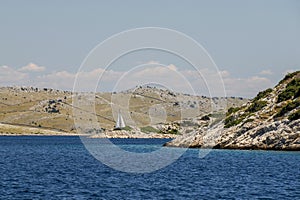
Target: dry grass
{"x":28,"y":108}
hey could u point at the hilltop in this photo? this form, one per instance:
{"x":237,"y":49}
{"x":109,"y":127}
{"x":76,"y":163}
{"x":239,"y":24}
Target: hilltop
{"x":269,"y":121}
{"x":29,"y":110}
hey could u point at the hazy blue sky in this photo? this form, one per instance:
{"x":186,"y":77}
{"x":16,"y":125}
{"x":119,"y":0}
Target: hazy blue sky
{"x":248,"y":40}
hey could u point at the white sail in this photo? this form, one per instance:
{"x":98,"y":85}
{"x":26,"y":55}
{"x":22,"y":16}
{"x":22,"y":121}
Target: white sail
{"x":120,"y":122}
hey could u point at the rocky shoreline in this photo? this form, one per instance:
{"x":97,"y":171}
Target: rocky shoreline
{"x":129,"y":134}
{"x":280,"y":135}
{"x":271,"y":121}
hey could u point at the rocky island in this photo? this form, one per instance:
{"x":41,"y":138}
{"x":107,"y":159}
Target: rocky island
{"x":151,"y":112}
{"x":270,"y":121}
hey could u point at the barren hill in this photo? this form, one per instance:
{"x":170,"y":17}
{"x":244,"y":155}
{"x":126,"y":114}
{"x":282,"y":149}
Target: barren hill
{"x":49,"y":109}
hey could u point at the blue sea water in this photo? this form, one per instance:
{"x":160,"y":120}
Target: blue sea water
{"x":57,"y":167}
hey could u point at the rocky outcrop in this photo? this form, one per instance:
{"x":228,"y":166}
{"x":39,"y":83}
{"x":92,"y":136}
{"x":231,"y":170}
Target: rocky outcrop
{"x":271,"y":121}
{"x":277,"y":135}
{"x":130,"y":134}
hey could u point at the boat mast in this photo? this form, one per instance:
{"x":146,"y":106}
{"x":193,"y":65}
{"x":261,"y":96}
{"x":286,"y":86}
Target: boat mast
{"x":120,"y":121}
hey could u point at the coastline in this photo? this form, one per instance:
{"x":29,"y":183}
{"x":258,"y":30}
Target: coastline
{"x":40,"y":135}
{"x":17,"y":130}
{"x":150,"y":136}
{"x":252,"y":148}
{"x":147,"y":136}
{"x":131,"y":134}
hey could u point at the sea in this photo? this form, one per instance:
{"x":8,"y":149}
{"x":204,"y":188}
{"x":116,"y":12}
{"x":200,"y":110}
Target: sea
{"x":60,"y":167}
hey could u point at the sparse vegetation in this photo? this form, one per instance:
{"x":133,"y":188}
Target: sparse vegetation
{"x":170,"y":129}
{"x":262,"y":94}
{"x":294,"y":116}
{"x":288,"y":76}
{"x":127,"y":128}
{"x":256,"y":106}
{"x":149,"y":129}
{"x":297,"y":94}
{"x":253,"y":125}
{"x":288,"y":107}
{"x":51,"y":108}
{"x":291,"y":91}
{"x":205,"y":118}
{"x":233,"y":120}
{"x":173,"y":131}
{"x":232,"y":110}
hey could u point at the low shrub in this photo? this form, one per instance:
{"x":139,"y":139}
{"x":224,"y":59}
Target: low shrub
{"x":256,"y":106}
{"x":149,"y":129}
{"x":262,"y":94}
{"x":288,"y":107}
{"x":297,"y":94}
{"x":173,"y":131}
{"x":232,"y":110}
{"x":288,"y":76}
{"x":205,"y":117}
{"x":127,"y":128}
{"x":232,"y":121}
{"x":294,"y":116}
{"x":291,"y":91}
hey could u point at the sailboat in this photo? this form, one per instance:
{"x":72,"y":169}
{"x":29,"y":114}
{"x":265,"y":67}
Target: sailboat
{"x":120,"y":122}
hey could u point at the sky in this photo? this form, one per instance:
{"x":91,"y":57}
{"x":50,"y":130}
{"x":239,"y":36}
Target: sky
{"x":253,"y":43}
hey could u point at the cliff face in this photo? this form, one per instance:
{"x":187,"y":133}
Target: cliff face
{"x":270,"y":121}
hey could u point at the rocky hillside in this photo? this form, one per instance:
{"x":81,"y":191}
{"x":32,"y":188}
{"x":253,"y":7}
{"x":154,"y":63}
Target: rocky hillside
{"x":23,"y":108}
{"x":270,"y":121}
